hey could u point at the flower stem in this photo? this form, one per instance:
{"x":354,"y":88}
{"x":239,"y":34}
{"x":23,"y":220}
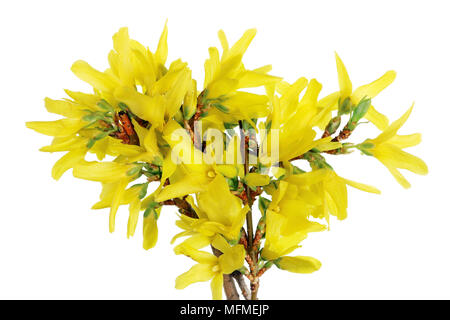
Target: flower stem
{"x":254,"y":285}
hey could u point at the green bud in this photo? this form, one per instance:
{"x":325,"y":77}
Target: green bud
{"x":143,"y":191}
{"x":360,"y":111}
{"x":179,"y":116}
{"x":233,"y":183}
{"x":134,"y":170}
{"x":345,"y":106}
{"x":333,"y":125}
{"x":151,"y":209}
{"x":365,"y":147}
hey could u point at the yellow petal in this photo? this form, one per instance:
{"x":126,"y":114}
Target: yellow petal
{"x":177,"y":93}
{"x":220,"y":244}
{"x":223,"y":41}
{"x":162,"y":49}
{"x":256,"y":179}
{"x":391,"y":131}
{"x":145,"y":107}
{"x":309,"y":178}
{"x":150,"y":229}
{"x":299,"y":264}
{"x":121,"y":42}
{"x":180,"y":188}
{"x":135,"y":207}
{"x":117,"y":198}
{"x":406,"y":141}
{"x":217,"y":286}
{"x":251,"y":79}
{"x":398,"y":176}
{"x":326,"y":146}
{"x":337,"y":192}
{"x":68,"y":161}
{"x":398,"y":158}
{"x":241,"y":45}
{"x":67,"y":143}
{"x":197,"y":241}
{"x":344,"y":81}
{"x":372,"y":89}
{"x":218,"y":202}
{"x":361,"y":186}
{"x":196,"y":255}
{"x":227,"y":170}
{"x":84,"y":99}
{"x":289,"y":99}
{"x":106,"y":172}
{"x":232,"y":259}
{"x":198,"y":273}
{"x":377,"y":118}
{"x":99,"y":80}
{"x":64,"y":108}
{"x":58,"y":128}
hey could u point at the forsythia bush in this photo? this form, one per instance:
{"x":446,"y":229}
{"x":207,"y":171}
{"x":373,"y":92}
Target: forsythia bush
{"x":215,"y":151}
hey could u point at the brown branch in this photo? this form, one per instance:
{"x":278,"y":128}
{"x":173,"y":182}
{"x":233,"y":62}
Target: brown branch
{"x":252,"y":256}
{"x":239,"y":278}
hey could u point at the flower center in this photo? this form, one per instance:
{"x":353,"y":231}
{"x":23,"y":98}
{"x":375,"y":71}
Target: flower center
{"x":211,"y":174}
{"x":216,"y":268}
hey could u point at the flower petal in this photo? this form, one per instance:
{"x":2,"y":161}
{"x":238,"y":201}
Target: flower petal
{"x":372,"y":89}
{"x":344,"y":81}
{"x":299,"y":264}
{"x":68,"y":161}
{"x":217,"y":286}
{"x":198,"y":273}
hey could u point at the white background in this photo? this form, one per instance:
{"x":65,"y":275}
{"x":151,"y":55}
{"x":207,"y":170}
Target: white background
{"x":395,"y":245}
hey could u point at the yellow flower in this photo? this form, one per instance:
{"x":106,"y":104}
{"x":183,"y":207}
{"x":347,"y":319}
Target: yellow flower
{"x":192,"y":175}
{"x":293,"y":121}
{"x":91,"y":118}
{"x":227,"y":74}
{"x":330,"y":188}
{"x":370,"y":90}
{"x":387,"y":148}
{"x":287,"y":222}
{"x":218,"y":211}
{"x":210,"y":267}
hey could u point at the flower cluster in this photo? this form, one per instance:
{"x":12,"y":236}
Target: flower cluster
{"x":217,"y":151}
